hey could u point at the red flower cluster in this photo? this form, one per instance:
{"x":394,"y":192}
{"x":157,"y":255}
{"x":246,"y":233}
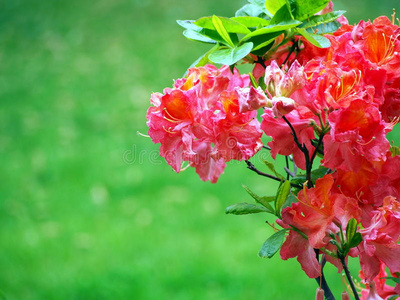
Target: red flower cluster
{"x":207,"y":119}
{"x":339,"y":102}
{"x":350,"y":98}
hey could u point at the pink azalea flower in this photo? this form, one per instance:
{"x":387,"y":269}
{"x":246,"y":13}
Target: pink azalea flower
{"x":318,"y":209}
{"x":380,"y":237}
{"x":377,"y":288}
{"x":297,"y":246}
{"x":206,"y":119}
{"x":357,"y":131}
{"x":279,"y":83}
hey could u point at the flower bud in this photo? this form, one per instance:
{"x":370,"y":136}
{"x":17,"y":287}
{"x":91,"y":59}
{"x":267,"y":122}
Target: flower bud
{"x":282,"y":106}
{"x":372,"y":293}
{"x":320,"y":294}
{"x":345,"y":296}
{"x":252,"y":99}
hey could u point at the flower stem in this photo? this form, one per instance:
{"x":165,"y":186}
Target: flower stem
{"x":321,"y":279}
{"x":349,"y":279}
{"x":324,"y":285}
{"x":252,"y":167}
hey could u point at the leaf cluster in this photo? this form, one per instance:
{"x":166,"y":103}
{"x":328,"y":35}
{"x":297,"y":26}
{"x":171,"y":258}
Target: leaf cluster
{"x":259,"y":28}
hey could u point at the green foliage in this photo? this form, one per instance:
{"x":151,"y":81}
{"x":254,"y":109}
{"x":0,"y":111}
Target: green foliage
{"x":274,"y":5}
{"x":221,"y":23}
{"x":280,"y":27}
{"x":196,"y":36}
{"x":315,"y":39}
{"x":396,"y":280}
{"x":322,"y":19}
{"x":246,"y":208}
{"x":290,"y":200}
{"x":315,"y":174}
{"x":272,"y":168}
{"x":262,"y":200}
{"x":353,"y":237}
{"x":255,"y":8}
{"x":250,"y":22}
{"x":303,"y":9}
{"x":272,"y":244}
{"x":288,"y":18}
{"x":219,"y":27}
{"x":281,"y":196}
{"x":231,"y":55}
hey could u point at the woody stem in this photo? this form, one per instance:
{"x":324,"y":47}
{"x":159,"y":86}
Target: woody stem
{"x":303,"y":148}
{"x":322,"y":281}
{"x":348,"y":276}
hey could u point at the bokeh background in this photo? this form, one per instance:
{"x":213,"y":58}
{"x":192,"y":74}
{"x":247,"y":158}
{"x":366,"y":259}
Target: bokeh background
{"x":88,"y":210}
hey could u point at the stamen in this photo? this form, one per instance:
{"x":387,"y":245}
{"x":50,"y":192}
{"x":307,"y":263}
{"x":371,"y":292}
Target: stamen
{"x":389,"y":47}
{"x":171,"y":116}
{"x":169,"y":130}
{"x":172,"y":121}
{"x":184,"y":168}
{"x":364,"y":144}
{"x":393,"y":16}
{"x":141,"y":134}
{"x":392,"y":123}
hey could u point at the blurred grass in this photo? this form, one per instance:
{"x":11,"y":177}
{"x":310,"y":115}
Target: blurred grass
{"x":88,"y":209}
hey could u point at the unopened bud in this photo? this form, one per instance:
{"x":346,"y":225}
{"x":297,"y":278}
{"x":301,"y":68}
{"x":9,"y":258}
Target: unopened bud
{"x":320,"y":294}
{"x":345,"y":296}
{"x":251,"y":99}
{"x":282,"y":106}
{"x":372,"y":293}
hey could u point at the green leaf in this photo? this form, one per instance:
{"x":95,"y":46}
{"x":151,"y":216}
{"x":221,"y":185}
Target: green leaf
{"x":325,"y":28}
{"x":356,"y":240}
{"x":281,"y":196}
{"x":262,"y":43}
{"x":188,"y":24}
{"x":231,"y":25}
{"x":318,"y":173}
{"x":272,"y":244}
{"x":253,"y":80}
{"x":315,"y":39}
{"x":322,"y":19}
{"x":250,"y":10}
{"x":245,"y":208}
{"x":251,"y":21}
{"x":315,"y":174}
{"x":221,"y":30}
{"x":274,"y":28}
{"x":262,"y":200}
{"x":396,"y":280}
{"x":303,"y":9}
{"x":214,"y":35}
{"x":260,"y":4}
{"x":271,"y":167}
{"x":284,"y":14}
{"x":274,"y":5}
{"x":196,"y":36}
{"x":231,"y":56}
{"x":289,"y":201}
{"x":351,"y":229}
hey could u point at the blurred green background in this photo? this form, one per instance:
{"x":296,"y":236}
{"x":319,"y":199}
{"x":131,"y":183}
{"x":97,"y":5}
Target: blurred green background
{"x":88,"y":210}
